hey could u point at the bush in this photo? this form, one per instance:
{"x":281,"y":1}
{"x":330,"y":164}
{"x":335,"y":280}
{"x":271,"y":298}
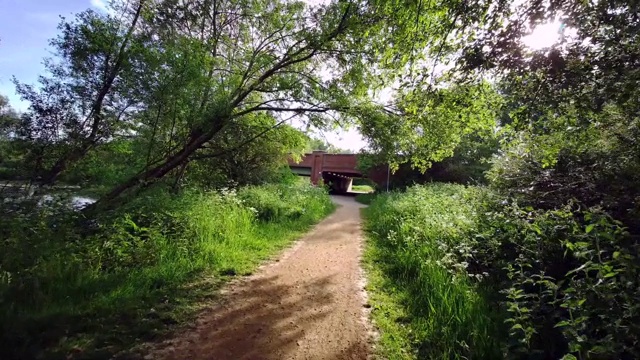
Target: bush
{"x":417,"y":241}
{"x":597,"y":167}
{"x":365,"y":198}
{"x":281,"y":203}
{"x":570,"y":280}
{"x":479,"y":276}
{"x":93,"y":289}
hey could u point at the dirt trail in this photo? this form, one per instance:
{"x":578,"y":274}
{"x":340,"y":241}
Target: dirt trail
{"x":306,"y":305}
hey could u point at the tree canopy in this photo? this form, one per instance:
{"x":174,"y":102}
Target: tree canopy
{"x":185,"y":78}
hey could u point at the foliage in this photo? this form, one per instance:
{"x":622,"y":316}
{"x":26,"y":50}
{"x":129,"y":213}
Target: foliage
{"x":277,"y":203}
{"x":94,"y":291}
{"x":315,"y":144}
{"x":365,"y":198}
{"x":228,"y":162}
{"x":569,"y":277}
{"x":186,"y":94}
{"x":416,"y":241}
{"x":108,"y":165}
{"x":428,"y":126}
{"x":10,"y":150}
{"x":596,"y":166}
{"x":552,"y":283}
{"x":471,"y":160}
{"x":9,"y":119}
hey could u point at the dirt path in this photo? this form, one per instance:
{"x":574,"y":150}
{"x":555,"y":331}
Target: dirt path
{"x":306,"y":305}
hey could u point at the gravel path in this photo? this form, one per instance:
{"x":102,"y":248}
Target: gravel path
{"x":306,"y":305}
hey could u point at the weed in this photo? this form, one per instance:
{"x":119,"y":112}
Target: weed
{"x":68,"y":294}
{"x":365,"y":198}
{"x":424,"y":303}
{"x":461,"y":273}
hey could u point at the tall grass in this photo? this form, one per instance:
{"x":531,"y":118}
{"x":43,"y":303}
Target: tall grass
{"x":424,"y":303}
{"x":460,"y":273}
{"x":93,"y":293}
{"x":363,"y":188}
{"x":365,"y":198}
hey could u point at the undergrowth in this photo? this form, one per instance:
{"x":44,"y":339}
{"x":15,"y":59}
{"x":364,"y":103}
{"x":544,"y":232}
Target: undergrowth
{"x":423,"y":302}
{"x":365,"y":198}
{"x":461,"y":273}
{"x":71,"y":292}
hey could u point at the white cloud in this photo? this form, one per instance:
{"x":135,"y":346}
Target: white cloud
{"x":350,"y":139}
{"x":100,"y":4}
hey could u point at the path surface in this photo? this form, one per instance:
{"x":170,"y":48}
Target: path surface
{"x":306,"y":305}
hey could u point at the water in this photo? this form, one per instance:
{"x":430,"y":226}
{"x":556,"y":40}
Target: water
{"x":76,"y":202}
{"x":17,"y":192}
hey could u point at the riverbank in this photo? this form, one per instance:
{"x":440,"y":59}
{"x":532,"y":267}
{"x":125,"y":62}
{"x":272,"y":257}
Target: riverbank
{"x":70,"y":293}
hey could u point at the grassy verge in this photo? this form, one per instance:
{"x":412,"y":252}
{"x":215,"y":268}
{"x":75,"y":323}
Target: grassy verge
{"x":424,"y":304}
{"x":461,"y":273}
{"x":363,"y":188}
{"x":69,"y":294}
{"x":365,"y":198}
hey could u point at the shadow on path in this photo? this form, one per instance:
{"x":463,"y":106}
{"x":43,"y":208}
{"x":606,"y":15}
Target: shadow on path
{"x":307,"y":305}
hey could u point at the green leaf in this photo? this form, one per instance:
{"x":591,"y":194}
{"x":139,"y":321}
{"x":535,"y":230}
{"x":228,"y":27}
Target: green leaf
{"x":562,"y":323}
{"x":589,"y":228}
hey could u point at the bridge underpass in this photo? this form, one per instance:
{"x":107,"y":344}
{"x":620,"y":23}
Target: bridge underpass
{"x":338,"y":183}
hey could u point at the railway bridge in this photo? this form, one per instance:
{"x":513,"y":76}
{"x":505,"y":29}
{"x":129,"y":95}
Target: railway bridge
{"x":337,"y":170}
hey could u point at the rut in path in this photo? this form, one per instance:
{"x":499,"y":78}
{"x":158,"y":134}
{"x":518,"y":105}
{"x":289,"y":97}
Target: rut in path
{"x":307,"y":305}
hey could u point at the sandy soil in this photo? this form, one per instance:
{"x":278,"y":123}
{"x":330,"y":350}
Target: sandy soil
{"x":309,"y":304}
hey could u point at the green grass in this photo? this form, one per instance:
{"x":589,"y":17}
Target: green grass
{"x":363,"y":188}
{"x":424,"y":303}
{"x":145,"y":272}
{"x":365,"y":198}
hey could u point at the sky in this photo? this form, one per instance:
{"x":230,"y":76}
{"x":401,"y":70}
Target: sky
{"x":25,"y":28}
{"x":27,"y":25}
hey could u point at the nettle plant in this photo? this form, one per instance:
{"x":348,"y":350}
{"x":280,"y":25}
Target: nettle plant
{"x":570,"y":282}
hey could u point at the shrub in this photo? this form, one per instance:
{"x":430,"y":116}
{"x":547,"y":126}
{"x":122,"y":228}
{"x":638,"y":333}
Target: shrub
{"x":569,"y":279}
{"x":482,"y":277}
{"x":286,"y":202}
{"x":365,"y":198}
{"x":420,"y":241}
{"x":72,"y":287}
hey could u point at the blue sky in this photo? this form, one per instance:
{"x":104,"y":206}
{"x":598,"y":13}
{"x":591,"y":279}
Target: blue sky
{"x":25,"y":29}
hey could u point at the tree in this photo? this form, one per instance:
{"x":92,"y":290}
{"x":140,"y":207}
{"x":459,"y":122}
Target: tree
{"x":246,"y":154}
{"x":315,"y":144}
{"x":425,"y":126}
{"x":82,"y":102}
{"x":9,"y":118}
{"x":182,"y":74}
{"x":11,"y":148}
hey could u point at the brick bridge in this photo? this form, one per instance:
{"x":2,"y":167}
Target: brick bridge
{"x":336,"y":169}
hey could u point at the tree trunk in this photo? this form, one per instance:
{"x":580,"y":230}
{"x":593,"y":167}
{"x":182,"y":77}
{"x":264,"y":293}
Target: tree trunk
{"x":179,"y":176}
{"x":149,"y":177}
